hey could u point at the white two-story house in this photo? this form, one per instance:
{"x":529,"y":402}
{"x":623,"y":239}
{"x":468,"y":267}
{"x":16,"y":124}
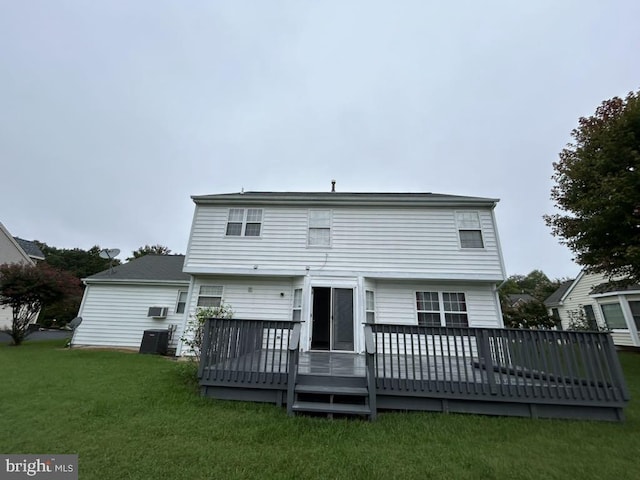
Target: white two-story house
{"x":335,"y":261}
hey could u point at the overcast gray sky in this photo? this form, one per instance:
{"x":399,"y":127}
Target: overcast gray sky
{"x":113,"y":113}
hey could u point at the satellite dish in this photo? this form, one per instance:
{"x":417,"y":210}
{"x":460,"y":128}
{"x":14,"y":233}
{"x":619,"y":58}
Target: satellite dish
{"x":73,"y":324}
{"x":109,"y":253}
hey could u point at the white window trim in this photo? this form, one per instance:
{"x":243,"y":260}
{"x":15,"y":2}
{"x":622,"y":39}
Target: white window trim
{"x":309,"y":227}
{"x":480,"y":229}
{"x":294,"y":307}
{"x":617,"y":301}
{"x":442,"y":311}
{"x":366,"y":309}
{"x":199,"y":295}
{"x":243,"y":228}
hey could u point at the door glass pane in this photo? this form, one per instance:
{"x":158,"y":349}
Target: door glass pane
{"x":342,"y":319}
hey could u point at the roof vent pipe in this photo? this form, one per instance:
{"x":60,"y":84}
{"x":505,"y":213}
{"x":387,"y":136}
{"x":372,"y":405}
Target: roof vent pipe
{"x":333,"y":186}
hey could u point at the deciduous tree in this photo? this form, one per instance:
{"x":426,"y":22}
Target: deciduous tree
{"x":28,"y":288}
{"x":149,"y":249}
{"x":598,"y":189}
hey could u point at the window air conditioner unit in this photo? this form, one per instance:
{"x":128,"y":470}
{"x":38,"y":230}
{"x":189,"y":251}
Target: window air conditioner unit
{"x":157,"y":312}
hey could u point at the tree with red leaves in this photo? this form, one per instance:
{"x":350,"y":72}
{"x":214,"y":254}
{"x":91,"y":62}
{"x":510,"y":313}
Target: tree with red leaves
{"x":598,"y":188}
{"x":28,"y":288}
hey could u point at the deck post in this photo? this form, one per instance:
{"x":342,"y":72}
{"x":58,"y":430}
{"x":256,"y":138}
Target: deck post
{"x":292,"y":370}
{"x":370,"y":349}
{"x":487,"y":359}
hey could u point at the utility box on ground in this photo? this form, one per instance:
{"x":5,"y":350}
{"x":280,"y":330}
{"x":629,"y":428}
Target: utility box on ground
{"x":155,"y":342}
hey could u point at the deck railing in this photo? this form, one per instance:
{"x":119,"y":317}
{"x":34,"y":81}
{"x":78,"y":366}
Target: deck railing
{"x":245,"y":352}
{"x":541,"y":365}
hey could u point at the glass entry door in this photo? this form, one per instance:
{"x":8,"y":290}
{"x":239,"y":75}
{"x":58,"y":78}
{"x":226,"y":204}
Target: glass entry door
{"x":332,"y":319}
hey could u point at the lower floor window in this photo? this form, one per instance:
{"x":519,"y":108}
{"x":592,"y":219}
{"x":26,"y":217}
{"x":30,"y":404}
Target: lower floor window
{"x":437,"y":309}
{"x":209,"y":296}
{"x":613,"y":315}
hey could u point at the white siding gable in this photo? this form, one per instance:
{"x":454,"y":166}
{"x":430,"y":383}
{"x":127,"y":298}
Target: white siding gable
{"x":393,"y":242}
{"x":116,"y":315}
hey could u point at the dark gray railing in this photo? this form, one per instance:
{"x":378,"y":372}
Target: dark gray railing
{"x":370,"y":352}
{"x":531,"y":365}
{"x":236,"y":351}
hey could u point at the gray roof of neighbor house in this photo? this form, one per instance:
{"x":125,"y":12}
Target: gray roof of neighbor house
{"x":150,"y":268}
{"x":615,"y":286}
{"x":339,"y":198}
{"x":30,"y":248}
{"x":520,"y":297}
{"x":555,"y":297}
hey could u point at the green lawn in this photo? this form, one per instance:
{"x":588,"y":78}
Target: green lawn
{"x":136,"y":416}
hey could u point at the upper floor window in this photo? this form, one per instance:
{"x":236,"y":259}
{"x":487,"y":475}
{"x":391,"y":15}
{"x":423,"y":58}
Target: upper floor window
{"x":437,"y":309}
{"x":320,"y":228}
{"x":244,"y":222}
{"x":469,"y":229}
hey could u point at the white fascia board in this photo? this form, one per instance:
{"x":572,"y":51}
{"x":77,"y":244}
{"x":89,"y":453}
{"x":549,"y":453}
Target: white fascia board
{"x":165,"y":283}
{"x":341,"y":273}
{"x":12,"y":240}
{"x":615,"y":293}
{"x":347,"y":201}
{"x":571,"y":287}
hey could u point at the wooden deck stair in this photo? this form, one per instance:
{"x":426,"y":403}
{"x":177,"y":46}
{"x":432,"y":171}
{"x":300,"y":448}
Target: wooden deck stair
{"x":345,"y":395}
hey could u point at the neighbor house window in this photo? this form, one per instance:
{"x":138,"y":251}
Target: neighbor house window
{"x":613,"y":315}
{"x":469,"y":229}
{"x":437,"y":309}
{"x":244,"y":222}
{"x":182,"y":301}
{"x":297,"y":304}
{"x":555,"y":316}
{"x":320,"y":228}
{"x":370,"y":306}
{"x":590,"y":316}
{"x":209,"y":296}
{"x":635,"y":311}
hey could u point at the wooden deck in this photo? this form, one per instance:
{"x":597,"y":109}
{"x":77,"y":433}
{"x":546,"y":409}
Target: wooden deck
{"x":482,"y":371}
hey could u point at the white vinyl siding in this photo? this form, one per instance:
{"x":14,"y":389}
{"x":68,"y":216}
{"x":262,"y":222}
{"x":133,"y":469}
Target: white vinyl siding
{"x":417,"y":243}
{"x":396,"y":302}
{"x":116,"y":315}
{"x":251,"y":298}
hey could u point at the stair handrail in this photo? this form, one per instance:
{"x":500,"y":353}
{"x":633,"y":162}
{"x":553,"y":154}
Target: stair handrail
{"x":370,"y":353}
{"x":294,"y":348}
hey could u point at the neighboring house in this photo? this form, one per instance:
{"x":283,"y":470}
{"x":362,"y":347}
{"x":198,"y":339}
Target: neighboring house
{"x":336,"y":260}
{"x":118,"y":305}
{"x":514,"y":300}
{"x":599,"y":302}
{"x":15,"y":250}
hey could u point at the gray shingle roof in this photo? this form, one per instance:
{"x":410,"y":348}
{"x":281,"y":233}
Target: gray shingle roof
{"x":30,"y":248}
{"x":148,"y":268}
{"x":555,"y":297}
{"x":615,"y":286}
